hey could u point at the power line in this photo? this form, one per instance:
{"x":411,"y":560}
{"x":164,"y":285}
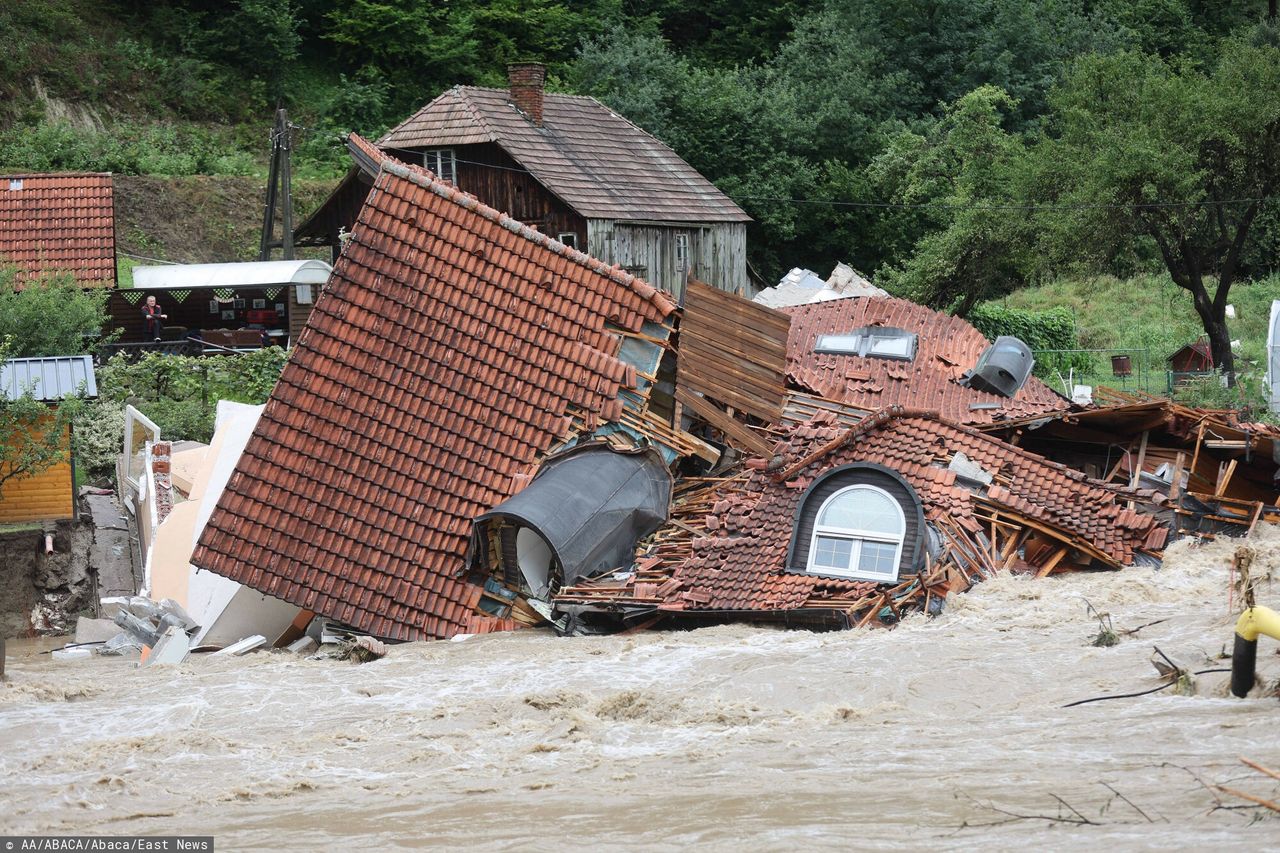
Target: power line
{"x":1017,"y":207}
{"x":891,"y":205}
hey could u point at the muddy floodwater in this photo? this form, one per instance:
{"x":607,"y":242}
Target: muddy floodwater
{"x":946,"y":733}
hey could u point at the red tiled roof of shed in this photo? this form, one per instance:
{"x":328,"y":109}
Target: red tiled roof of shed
{"x":58,"y":222}
{"x":946,"y":347}
{"x":445,"y":356}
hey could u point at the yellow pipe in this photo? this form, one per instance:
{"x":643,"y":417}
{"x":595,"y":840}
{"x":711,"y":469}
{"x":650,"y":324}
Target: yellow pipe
{"x":1252,"y":622}
{"x":1258,"y":620}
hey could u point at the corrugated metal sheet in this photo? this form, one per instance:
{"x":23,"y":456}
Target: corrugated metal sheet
{"x":602,"y":165}
{"x":48,"y":379}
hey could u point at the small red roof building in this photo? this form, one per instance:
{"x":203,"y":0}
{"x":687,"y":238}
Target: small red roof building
{"x":59,"y":222}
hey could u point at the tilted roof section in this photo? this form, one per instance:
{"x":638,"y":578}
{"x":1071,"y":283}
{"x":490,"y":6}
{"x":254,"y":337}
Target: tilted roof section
{"x":447,"y":353}
{"x":596,"y":161}
{"x":57,"y":222}
{"x":946,"y":347}
{"x":741,"y":567}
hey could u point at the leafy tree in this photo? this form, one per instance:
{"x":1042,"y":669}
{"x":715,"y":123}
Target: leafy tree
{"x":32,"y":433}
{"x":965,"y":175}
{"x":1145,"y":148}
{"x":51,"y":315}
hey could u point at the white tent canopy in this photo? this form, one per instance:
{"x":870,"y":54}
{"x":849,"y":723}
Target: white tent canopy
{"x":1273,"y":356}
{"x":247,"y":274}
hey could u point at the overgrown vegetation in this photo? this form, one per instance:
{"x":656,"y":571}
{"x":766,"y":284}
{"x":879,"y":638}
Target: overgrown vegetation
{"x":1148,"y":318}
{"x":49,"y":316}
{"x":179,"y":393}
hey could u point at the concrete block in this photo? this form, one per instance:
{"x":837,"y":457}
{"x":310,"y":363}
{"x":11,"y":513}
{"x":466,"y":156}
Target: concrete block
{"x":95,"y":630}
{"x":172,"y":648}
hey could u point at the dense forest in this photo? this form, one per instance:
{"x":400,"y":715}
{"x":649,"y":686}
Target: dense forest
{"x":958,"y":149}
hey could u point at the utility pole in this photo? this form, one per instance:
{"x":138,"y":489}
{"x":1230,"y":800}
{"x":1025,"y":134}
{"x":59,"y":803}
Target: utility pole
{"x":279,"y":190}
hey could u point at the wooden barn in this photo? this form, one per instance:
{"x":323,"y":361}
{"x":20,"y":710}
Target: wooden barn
{"x":51,"y":493}
{"x":570,"y":167}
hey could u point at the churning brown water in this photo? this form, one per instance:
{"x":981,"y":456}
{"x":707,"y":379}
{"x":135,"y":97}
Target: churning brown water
{"x":731,"y":737}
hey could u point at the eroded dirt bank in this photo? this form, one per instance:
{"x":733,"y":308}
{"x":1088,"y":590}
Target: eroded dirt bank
{"x":724,"y":736}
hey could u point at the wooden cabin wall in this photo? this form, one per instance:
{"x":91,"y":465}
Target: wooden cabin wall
{"x":489,"y":173}
{"x":45,"y":496}
{"x":300,"y":312}
{"x":192,"y":313}
{"x":717,"y":252}
{"x":336,"y":214}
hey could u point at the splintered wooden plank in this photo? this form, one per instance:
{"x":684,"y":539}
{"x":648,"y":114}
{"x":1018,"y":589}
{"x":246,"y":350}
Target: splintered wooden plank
{"x":736,"y":431}
{"x":734,"y":351}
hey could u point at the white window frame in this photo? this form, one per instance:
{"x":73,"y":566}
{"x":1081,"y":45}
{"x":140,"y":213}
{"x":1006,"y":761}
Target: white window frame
{"x":572,"y":242}
{"x":682,"y":252}
{"x":857,"y":537}
{"x":866,"y":342}
{"x":437,"y":159}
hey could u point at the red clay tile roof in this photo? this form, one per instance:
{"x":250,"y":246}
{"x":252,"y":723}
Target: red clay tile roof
{"x":445,"y":355}
{"x":59,"y":222}
{"x":947,"y":346}
{"x":600,"y":164}
{"x":741,"y":565}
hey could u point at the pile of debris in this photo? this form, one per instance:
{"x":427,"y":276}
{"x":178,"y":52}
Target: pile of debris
{"x":483,"y":429}
{"x":164,"y":633}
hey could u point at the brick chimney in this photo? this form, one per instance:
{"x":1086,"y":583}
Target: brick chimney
{"x":526,"y":80}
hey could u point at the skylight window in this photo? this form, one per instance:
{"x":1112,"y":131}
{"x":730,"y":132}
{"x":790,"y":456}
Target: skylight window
{"x":873,"y":341}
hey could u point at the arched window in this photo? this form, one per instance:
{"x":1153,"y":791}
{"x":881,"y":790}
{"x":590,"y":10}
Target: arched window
{"x":858,"y":533}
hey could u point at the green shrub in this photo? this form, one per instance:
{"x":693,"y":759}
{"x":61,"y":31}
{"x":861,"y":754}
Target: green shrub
{"x":1054,"y":329}
{"x":49,"y":316}
{"x":180,"y":393}
{"x":99,"y":435}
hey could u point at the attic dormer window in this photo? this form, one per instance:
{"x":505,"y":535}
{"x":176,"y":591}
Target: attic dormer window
{"x":858,"y":533}
{"x":858,"y":522}
{"x":873,"y":341}
{"x":442,"y":163}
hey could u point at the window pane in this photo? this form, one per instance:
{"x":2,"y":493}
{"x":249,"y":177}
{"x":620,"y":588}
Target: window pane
{"x":833,"y":553}
{"x":847,"y":344}
{"x":892,"y":346}
{"x":877,"y":558}
{"x":863,"y":509}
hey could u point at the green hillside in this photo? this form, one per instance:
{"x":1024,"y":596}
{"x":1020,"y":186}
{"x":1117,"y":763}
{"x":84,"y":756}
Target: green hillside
{"x":1150,"y":318}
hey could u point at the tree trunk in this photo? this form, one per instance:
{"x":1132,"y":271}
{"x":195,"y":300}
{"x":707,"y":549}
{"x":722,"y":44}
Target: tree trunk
{"x":1213,"y":317}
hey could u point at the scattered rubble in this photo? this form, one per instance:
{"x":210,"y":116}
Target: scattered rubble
{"x":523,"y":436}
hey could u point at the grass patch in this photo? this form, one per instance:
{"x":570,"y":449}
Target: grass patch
{"x":1152,"y":318}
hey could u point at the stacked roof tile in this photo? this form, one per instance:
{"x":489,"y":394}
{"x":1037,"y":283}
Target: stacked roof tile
{"x":739,"y":564}
{"x":600,"y":164}
{"x":449,"y":351}
{"x":947,"y":346}
{"x":59,"y":222}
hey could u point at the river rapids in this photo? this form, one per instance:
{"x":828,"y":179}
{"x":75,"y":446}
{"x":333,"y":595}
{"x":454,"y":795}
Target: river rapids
{"x":947,"y":733}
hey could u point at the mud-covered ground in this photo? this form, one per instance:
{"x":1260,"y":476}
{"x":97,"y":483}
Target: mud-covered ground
{"x":948,"y":733}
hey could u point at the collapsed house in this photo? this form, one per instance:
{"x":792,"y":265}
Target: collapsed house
{"x":483,"y":428}
{"x":1216,"y":473}
{"x":845,"y":525}
{"x":451,"y":351}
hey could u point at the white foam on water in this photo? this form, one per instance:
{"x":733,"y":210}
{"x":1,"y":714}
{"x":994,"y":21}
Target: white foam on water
{"x":927,"y":735}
